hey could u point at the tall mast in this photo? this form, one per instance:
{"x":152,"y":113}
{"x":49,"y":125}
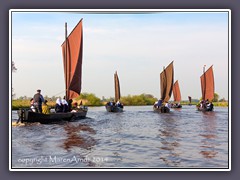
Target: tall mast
{"x":66,"y":75}
{"x":204,"y":90}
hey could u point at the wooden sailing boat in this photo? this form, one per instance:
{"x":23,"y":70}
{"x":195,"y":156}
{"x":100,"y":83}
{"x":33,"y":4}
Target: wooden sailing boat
{"x":176,"y":95}
{"x":207,"y":87}
{"x":166,"y":85}
{"x":115,"y":106}
{"x":190,"y":100}
{"x":72,"y":50}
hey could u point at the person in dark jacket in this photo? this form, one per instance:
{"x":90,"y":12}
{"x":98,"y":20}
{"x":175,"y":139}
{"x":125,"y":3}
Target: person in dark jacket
{"x":64,"y":104}
{"x":38,"y":100}
{"x":70,"y":105}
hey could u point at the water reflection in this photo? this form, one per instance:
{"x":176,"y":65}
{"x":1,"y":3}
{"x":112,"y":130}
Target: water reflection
{"x":208,"y":142}
{"x":76,"y":139}
{"x":77,"y":136}
{"x":117,"y":140}
{"x":135,"y":138}
{"x":169,"y":140}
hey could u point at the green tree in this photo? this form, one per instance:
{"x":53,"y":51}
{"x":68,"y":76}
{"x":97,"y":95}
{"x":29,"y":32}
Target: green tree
{"x":92,"y":100}
{"x":142,"y":99}
{"x":216,"y":97}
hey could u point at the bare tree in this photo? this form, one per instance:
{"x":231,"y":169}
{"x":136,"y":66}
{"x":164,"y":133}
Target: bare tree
{"x":14,"y":69}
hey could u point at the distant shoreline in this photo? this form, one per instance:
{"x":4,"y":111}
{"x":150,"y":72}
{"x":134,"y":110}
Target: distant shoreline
{"x":17,"y":104}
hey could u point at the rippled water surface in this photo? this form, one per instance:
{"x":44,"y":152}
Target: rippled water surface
{"x":136,"y":138}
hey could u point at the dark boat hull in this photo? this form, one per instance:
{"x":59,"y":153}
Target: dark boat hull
{"x":162,"y":109}
{"x":177,"y":106}
{"x":27,"y":116}
{"x":113,"y":109}
{"x":204,"y":109}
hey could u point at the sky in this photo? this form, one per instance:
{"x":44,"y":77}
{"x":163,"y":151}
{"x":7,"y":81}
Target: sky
{"x":135,"y":44}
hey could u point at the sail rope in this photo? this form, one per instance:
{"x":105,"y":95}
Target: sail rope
{"x":59,"y":93}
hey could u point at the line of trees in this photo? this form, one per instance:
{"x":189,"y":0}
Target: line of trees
{"x":91,"y":99}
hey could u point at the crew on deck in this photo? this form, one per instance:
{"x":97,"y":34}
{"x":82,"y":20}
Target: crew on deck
{"x":38,"y":100}
{"x":45,"y":108}
{"x":58,"y":105}
{"x":65,"y":105}
{"x":205,"y":104}
{"x":117,"y":104}
{"x":158,"y":103}
{"x":167,"y":105}
{"x":32,"y":107}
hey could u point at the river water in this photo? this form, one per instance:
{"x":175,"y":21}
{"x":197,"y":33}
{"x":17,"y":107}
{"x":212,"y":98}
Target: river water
{"x":136,"y":138}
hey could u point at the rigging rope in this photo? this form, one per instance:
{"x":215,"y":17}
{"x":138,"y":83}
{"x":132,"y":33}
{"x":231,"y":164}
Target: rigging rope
{"x":59,"y":93}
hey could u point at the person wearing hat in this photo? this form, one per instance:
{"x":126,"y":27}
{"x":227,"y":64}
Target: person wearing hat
{"x":45,"y":108}
{"x":38,"y":100}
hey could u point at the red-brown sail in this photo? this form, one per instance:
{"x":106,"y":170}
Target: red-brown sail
{"x":176,"y":92}
{"x":163,"y":84}
{"x":207,"y":84}
{"x":117,"y":87}
{"x":166,"y":82}
{"x":72,"y":50}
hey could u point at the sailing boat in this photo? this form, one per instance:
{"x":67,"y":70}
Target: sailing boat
{"x":115,"y":106}
{"x":166,"y":85}
{"x":190,"y":100}
{"x":176,"y":95}
{"x":72,"y":50}
{"x":207,"y":87}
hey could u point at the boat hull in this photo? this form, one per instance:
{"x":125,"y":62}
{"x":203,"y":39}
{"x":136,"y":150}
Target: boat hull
{"x":205,"y":109}
{"x":162,"y":109}
{"x":177,"y":106}
{"x":27,"y":116}
{"x":113,"y":109}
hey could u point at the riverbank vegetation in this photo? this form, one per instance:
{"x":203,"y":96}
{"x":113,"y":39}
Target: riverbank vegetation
{"x":138,"y":100}
{"x":90,"y":99}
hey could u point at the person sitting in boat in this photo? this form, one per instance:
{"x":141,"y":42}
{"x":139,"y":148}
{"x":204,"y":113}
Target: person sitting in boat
{"x":109,"y":103}
{"x":119,"y":104}
{"x":159,"y":103}
{"x":38,"y":100}
{"x":178,"y":104}
{"x":81,"y":106}
{"x":210,"y":106}
{"x":201,"y":104}
{"x":65,"y":105}
{"x":75,"y":107}
{"x":167,"y":105}
{"x":58,"y":106}
{"x":70,"y":105}
{"x":32,"y":107}
{"x":207,"y":101}
{"x":45,"y":108}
